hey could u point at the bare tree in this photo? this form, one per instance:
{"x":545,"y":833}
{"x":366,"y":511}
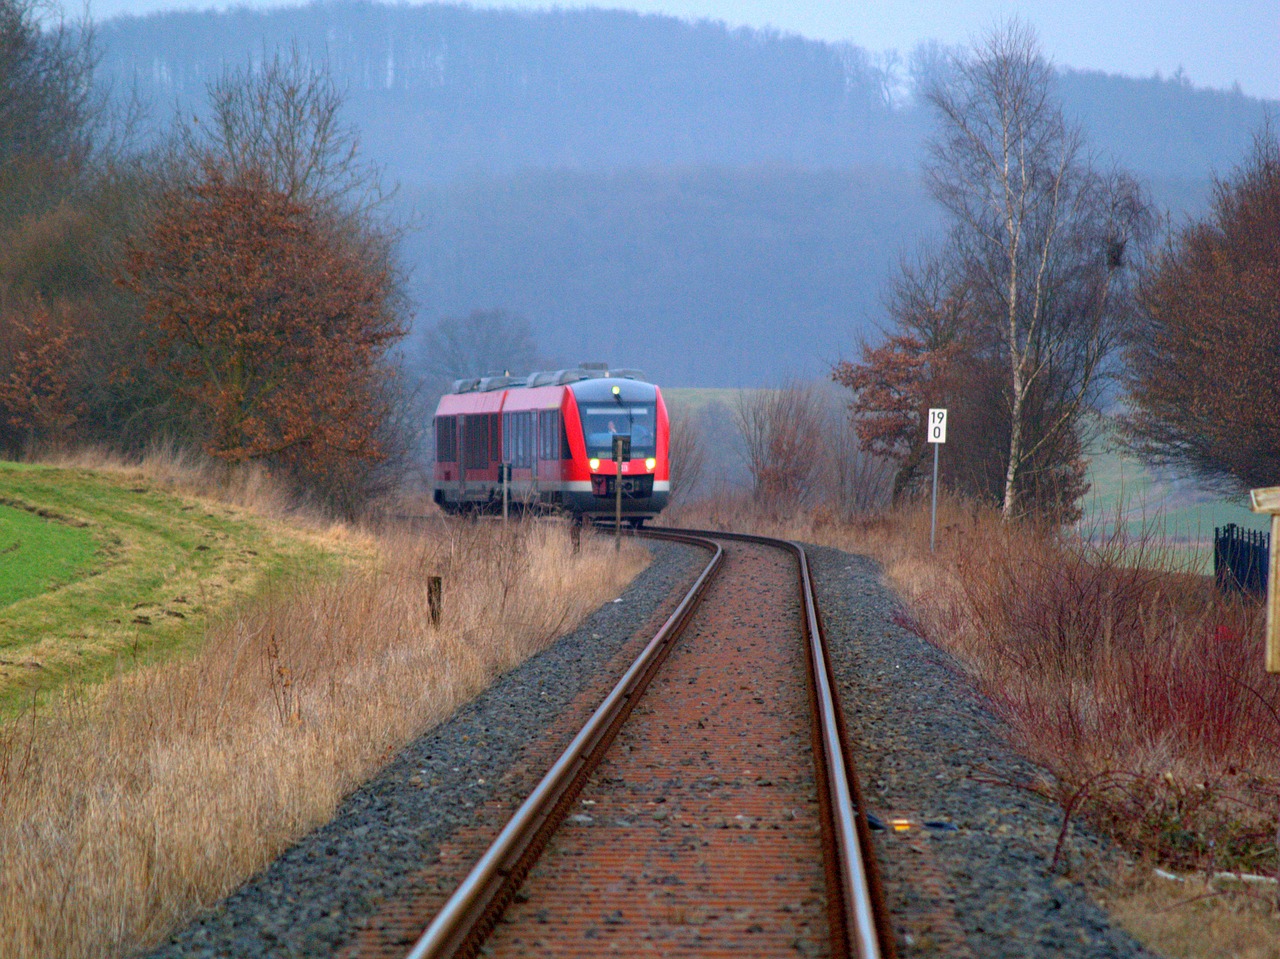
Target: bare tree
{"x":480,"y":343}
{"x":687,"y":455}
{"x":855,"y":481}
{"x":782,"y":433}
{"x":46,"y":96}
{"x":283,"y":119}
{"x":1043,"y":239}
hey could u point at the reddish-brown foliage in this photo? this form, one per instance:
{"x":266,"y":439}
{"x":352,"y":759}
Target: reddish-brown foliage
{"x":270,"y":320}
{"x":1206,"y":366}
{"x":36,"y":393}
{"x":893,"y":388}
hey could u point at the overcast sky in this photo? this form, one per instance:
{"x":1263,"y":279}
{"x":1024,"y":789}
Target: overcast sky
{"x":1215,"y":42}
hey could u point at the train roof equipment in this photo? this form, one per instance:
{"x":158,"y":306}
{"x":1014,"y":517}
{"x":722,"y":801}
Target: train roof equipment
{"x":563,"y":377}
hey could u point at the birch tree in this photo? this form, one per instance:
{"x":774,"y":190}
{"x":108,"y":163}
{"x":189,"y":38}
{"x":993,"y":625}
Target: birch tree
{"x":1043,"y":238}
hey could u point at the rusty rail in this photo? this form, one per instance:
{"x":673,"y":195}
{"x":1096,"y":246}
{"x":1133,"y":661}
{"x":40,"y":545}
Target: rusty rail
{"x":471,"y":911}
{"x":860,"y":925}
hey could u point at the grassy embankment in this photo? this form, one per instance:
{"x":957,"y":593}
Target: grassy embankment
{"x":220,"y":735}
{"x":103,"y":569}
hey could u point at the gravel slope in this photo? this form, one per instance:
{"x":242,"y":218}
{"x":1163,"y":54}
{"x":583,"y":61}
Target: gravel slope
{"x":929,"y":751}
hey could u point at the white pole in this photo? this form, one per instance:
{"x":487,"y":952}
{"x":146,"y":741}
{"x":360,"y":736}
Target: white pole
{"x":933,"y":517}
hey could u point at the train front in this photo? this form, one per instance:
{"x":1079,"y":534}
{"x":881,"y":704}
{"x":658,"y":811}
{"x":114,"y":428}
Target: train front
{"x":615,"y":406}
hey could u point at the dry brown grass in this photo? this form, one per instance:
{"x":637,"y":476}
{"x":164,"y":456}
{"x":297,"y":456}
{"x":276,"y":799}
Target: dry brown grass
{"x":1197,"y":919}
{"x":128,"y":807}
{"x":186,"y":471}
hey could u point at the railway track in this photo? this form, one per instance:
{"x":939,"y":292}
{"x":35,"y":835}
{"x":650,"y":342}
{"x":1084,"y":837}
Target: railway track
{"x":708,"y":805}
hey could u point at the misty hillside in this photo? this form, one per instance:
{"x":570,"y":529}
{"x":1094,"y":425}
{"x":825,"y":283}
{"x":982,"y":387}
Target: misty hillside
{"x":719,"y":206}
{"x":760,"y":273}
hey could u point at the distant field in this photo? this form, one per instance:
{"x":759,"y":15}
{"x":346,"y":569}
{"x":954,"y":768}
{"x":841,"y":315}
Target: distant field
{"x":1176,"y":510}
{"x":99,"y":570}
{"x":689,"y":400}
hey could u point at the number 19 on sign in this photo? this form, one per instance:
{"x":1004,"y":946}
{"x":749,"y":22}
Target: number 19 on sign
{"x":937,"y":435}
{"x":937,"y":426}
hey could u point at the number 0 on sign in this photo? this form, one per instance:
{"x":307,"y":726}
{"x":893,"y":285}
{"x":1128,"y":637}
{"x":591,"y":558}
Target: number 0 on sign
{"x":937,"y":426}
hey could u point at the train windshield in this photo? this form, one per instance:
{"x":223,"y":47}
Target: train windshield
{"x":602,"y":421}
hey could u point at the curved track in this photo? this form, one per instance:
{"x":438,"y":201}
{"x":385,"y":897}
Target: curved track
{"x":661,"y":862}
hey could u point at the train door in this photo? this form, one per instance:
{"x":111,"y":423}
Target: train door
{"x":462,"y":459}
{"x":473,"y":458}
{"x":517,"y":449}
{"x":551,"y":447}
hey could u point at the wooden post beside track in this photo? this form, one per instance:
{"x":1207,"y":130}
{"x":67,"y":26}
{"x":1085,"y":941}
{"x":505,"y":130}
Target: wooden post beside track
{"x":1267,"y":500}
{"x":435,"y":598}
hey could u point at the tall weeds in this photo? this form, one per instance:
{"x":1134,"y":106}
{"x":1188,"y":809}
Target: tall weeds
{"x":124,"y":809}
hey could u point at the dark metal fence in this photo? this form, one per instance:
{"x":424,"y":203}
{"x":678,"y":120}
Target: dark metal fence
{"x":1240,"y":559}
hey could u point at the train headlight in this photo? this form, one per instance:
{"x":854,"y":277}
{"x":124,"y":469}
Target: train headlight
{"x":650,"y":463}
{"x":593,"y":463}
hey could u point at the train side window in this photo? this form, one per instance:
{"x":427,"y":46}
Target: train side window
{"x":518,"y":438}
{"x":548,"y":428}
{"x":495,"y":438}
{"x":446,"y":439}
{"x":565,"y":452}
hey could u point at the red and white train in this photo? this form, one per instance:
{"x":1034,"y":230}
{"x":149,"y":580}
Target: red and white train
{"x":556,"y":431}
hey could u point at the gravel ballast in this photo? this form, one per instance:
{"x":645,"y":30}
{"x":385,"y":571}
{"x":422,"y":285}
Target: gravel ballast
{"x":928,"y":750}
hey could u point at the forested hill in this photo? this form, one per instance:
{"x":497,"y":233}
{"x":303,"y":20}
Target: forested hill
{"x":462,"y":90}
{"x":719,"y":205}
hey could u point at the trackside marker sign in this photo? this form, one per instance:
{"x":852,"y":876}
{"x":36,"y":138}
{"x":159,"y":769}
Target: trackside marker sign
{"x":937,"y":426}
{"x":937,"y":435}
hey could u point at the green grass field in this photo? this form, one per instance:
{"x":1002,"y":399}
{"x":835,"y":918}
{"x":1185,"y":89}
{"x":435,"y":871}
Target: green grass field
{"x":102,"y":570}
{"x":38,"y":554}
{"x":1179,"y":512}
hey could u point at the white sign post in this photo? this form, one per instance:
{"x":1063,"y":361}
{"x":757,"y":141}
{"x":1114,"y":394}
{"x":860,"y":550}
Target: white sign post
{"x":937,"y":436}
{"x":1267,"y":500}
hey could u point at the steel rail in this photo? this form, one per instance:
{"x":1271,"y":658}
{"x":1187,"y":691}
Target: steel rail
{"x":862,"y":908}
{"x":470,"y":911}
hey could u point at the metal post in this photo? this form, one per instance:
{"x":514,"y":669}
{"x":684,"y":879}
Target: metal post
{"x":617,"y":509}
{"x":506,"y":476}
{"x":933,"y":516}
{"x":621,"y":450}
